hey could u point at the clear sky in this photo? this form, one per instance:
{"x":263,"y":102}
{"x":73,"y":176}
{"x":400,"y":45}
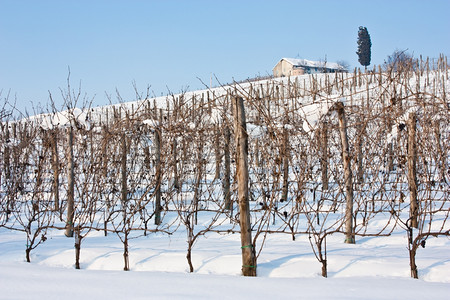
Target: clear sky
{"x":168,"y":45}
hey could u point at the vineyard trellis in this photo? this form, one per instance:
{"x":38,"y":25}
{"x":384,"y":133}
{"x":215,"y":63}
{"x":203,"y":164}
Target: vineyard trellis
{"x":327,"y":154}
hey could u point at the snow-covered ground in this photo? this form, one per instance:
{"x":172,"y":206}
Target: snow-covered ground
{"x":20,"y":281}
{"x":373,"y":268}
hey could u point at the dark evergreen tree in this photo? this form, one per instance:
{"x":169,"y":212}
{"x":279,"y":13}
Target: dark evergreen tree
{"x":364,"y":45}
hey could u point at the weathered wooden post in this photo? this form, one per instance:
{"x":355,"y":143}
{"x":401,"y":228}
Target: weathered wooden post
{"x":147,"y":159}
{"x":359,"y":152}
{"x":349,"y":235}
{"x":390,"y":147}
{"x":7,"y":153}
{"x":55,"y":166}
{"x":70,"y":182}
{"x":227,"y":169}
{"x":158,"y":136}
{"x":217,"y":151}
{"x":412,"y":177}
{"x":198,"y":177}
{"x":6,"y":165}
{"x":441,"y":150}
{"x":390,"y":157}
{"x":285,"y":189}
{"x":175,"y":184}
{"x":324,"y":158}
{"x":241,"y":137}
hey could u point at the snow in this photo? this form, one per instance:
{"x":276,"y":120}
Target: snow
{"x":313,"y":112}
{"x":151,"y":123}
{"x":373,"y":268}
{"x":74,"y":117}
{"x":256,"y":131}
{"x":313,"y":64}
{"x":21,"y":281}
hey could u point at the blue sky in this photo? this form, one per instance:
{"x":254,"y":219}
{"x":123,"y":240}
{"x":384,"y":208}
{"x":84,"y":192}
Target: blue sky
{"x":168,"y":45}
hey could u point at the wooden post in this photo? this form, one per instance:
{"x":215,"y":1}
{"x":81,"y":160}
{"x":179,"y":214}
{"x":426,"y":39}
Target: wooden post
{"x":390,"y":146}
{"x":285,"y":190}
{"x":441,"y":150}
{"x":390,"y":157}
{"x":7,"y":153}
{"x":176,"y":184}
{"x":359,"y":154}
{"x":70,"y":182}
{"x":241,"y":137}
{"x":158,"y":136}
{"x":198,"y":177}
{"x":147,"y":159}
{"x":257,"y":154}
{"x":6,"y":166}
{"x":55,"y":166}
{"x":324,"y":158}
{"x":412,"y":177}
{"x":217,"y":151}
{"x":227,"y":171}
{"x":349,"y":235}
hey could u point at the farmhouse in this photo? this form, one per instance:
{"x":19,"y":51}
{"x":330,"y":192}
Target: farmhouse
{"x":294,"y":66}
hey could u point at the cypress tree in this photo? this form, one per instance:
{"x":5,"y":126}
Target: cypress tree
{"x":364,"y":45}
